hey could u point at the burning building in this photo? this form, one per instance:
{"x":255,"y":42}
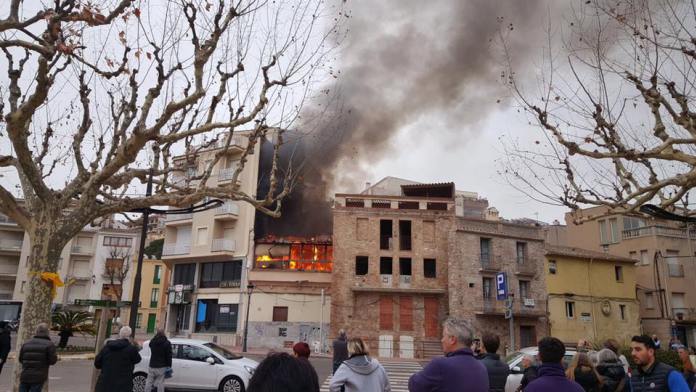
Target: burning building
{"x":293,"y":261}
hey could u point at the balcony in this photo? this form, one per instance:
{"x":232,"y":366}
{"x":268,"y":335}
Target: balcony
{"x":81,"y":274}
{"x":526,"y":267}
{"x":662,"y":231}
{"x":10,"y":245}
{"x":521,"y":307}
{"x":489,"y":263}
{"x":227,"y":173}
{"x":227,"y":211}
{"x":176,"y":249}
{"x":178,"y":218}
{"x":684,"y":314}
{"x":223,"y":245}
{"x":81,"y":250}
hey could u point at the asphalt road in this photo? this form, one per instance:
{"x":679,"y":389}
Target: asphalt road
{"x":74,"y":376}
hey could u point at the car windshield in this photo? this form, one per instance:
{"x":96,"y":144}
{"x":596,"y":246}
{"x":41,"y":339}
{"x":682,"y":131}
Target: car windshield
{"x":222,"y":351}
{"x":512,"y":357}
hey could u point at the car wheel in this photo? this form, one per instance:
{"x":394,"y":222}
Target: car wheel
{"x":139,"y":380}
{"x":232,"y":384}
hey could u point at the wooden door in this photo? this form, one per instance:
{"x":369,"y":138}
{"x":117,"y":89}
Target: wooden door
{"x":432,"y":319}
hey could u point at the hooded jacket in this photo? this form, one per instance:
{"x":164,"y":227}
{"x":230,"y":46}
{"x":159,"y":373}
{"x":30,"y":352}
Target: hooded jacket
{"x":360,"y":374}
{"x":160,"y":352}
{"x":116,"y":360}
{"x":36,"y":355}
{"x":613,"y":374}
{"x":551,"y":378}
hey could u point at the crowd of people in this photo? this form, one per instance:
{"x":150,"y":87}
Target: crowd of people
{"x":468,"y":364}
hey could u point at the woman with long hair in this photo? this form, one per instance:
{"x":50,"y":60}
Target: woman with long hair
{"x":612,"y":371}
{"x":360,"y":373}
{"x":584,"y":373}
{"x":688,"y":366}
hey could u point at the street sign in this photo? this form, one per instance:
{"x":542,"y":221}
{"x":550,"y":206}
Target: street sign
{"x":101,"y":303}
{"x":501,"y":288}
{"x":508,"y":314}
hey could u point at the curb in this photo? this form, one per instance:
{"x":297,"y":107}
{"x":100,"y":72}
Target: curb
{"x":63,"y":357}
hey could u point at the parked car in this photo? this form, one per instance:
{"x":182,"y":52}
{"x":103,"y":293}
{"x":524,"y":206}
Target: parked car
{"x":514,"y":361}
{"x":199,"y":365}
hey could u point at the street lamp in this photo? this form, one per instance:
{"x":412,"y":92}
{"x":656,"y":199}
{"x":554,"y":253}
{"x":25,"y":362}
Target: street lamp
{"x":250,"y":289}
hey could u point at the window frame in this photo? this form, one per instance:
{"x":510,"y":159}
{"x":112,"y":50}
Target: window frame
{"x":618,"y":273}
{"x":426,"y":271}
{"x":362,"y":265}
{"x":570,"y":310}
{"x":154,"y":297}
{"x":278,"y":311}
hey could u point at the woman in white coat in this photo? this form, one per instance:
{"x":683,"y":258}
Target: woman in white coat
{"x":360,"y":373}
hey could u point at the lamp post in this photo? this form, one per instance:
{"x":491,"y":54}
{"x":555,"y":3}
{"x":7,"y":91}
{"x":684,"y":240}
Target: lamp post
{"x":250,"y":289}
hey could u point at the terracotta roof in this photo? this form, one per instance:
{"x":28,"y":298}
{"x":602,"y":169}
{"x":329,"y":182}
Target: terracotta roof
{"x":584,"y":254}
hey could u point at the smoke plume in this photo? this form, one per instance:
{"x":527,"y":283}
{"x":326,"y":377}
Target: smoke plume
{"x":407,"y":62}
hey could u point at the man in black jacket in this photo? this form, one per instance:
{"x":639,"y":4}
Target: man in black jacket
{"x":497,"y":370}
{"x":36,"y":355}
{"x":340,"y":349}
{"x":5,"y":344}
{"x":117,"y":360}
{"x":160,"y":360}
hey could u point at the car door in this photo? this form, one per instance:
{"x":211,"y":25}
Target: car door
{"x":198,"y":374}
{"x":176,"y":381}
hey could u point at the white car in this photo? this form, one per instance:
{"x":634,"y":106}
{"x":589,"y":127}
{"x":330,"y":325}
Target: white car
{"x":199,"y":365}
{"x":514,"y":361}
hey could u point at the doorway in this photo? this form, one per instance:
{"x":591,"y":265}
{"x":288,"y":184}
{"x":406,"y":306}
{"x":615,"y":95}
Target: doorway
{"x":151,"y":323}
{"x":527,"y":336}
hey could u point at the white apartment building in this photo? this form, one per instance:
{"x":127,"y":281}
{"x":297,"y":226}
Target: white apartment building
{"x":209,"y":252}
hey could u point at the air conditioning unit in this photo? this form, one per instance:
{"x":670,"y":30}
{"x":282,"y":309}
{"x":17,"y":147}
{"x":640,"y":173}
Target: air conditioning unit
{"x":529,"y":302}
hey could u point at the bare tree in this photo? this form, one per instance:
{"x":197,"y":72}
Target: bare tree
{"x":116,"y":269}
{"x":99,"y":95}
{"x":615,"y":101}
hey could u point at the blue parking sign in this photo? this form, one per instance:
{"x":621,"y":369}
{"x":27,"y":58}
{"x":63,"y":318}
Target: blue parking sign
{"x":501,"y":286}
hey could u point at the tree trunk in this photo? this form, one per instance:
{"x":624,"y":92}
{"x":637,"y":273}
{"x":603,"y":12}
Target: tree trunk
{"x":46,"y":247}
{"x":63,"y":341}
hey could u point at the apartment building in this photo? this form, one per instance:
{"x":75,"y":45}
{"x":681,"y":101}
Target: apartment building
{"x":664,"y":255}
{"x":153,"y":296}
{"x":11,"y":242}
{"x":207,"y":251}
{"x":591,"y":295}
{"x":392,"y":267}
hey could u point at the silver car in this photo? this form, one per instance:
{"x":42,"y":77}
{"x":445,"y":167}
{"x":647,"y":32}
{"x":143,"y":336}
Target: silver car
{"x":514,"y":361}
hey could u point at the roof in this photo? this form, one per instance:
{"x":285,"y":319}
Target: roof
{"x":585,"y":254}
{"x":429,"y":190}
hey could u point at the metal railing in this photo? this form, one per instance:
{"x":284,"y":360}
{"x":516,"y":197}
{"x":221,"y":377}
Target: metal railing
{"x":228,"y":208}
{"x":178,"y":217}
{"x":489,"y":262}
{"x":664,"y":231}
{"x":221,"y":244}
{"x":12,"y":245}
{"x":176,"y":249}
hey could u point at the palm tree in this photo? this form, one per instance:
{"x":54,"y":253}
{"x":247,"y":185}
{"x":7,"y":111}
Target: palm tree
{"x":69,"y":322}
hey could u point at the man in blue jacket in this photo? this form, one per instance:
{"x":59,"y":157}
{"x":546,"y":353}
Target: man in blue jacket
{"x":652,"y":375}
{"x":458,"y":370}
{"x":551,"y":375}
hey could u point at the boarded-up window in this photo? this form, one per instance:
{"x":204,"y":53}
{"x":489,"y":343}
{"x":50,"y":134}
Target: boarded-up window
{"x":386,"y":313}
{"x":406,"y":313}
{"x":280,"y":313}
{"x":428,"y":231}
{"x":361,"y":229}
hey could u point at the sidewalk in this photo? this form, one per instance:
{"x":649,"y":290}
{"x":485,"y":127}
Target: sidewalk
{"x":63,"y":357}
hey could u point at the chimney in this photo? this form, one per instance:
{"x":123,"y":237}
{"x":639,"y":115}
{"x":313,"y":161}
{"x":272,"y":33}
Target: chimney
{"x":367,"y":188}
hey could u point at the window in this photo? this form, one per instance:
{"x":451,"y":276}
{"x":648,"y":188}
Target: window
{"x":193,"y":353}
{"x":649,"y":301}
{"x":570,"y":309}
{"x":487,"y":288}
{"x":202,"y":236}
{"x":21,"y":289}
{"x":139,"y":321}
{"x":385,"y":266}
{"x":213,"y":317}
{"x":618,"y":273}
{"x":553,"y":267}
{"x":280,"y":313}
{"x":406,"y":313}
{"x":184,"y":274}
{"x":524,"y":289}
{"x":154,"y":297}
{"x":385,"y":234}
{"x":221,"y":274}
{"x":428,"y":231}
{"x":644,"y":257}
{"x":361,"y":229}
{"x":485,"y":250}
{"x":118,"y":241}
{"x":609,"y":231}
{"x":404,"y":235}
{"x":429,"y":268}
{"x":631,"y":222}
{"x":521,"y":252}
{"x":614,"y":230}
{"x":386,"y":313}
{"x":405,"y":266}
{"x":622,"y":311}
{"x":361,"y":265}
{"x":157,"y":277}
{"x":676,"y":269}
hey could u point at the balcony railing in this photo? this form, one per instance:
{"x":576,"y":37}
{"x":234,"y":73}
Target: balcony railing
{"x":176,"y":249}
{"x":81,"y":249}
{"x":11,"y":245}
{"x":684,"y":314}
{"x":528,"y":267}
{"x":663,"y":231}
{"x":526,"y":307}
{"x":229,"y":208}
{"x":4,"y":219}
{"x":81,"y":274}
{"x":178,"y":217}
{"x":489,"y":262}
{"x":227,"y":174}
{"x":223,"y":245}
